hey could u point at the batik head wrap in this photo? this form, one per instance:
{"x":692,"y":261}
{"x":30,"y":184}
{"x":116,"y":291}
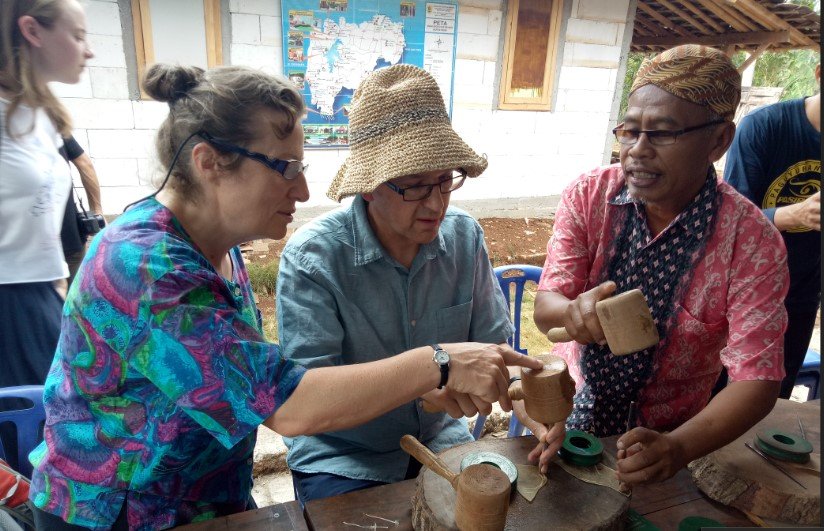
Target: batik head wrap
{"x":698,"y":74}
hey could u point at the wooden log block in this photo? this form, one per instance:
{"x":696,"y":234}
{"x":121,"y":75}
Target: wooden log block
{"x":735,"y":476}
{"x":564,"y":503}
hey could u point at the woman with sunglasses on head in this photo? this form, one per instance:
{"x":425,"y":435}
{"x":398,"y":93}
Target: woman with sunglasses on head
{"x":40,"y":42}
{"x":162,"y":374}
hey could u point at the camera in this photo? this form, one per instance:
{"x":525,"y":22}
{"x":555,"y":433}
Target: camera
{"x":89,"y":224}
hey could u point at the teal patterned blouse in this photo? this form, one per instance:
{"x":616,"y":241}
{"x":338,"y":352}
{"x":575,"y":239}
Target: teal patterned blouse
{"x":160,"y":379}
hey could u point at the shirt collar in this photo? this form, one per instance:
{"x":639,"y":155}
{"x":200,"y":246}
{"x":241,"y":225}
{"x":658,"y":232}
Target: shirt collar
{"x":704,"y":195}
{"x":367,"y":246}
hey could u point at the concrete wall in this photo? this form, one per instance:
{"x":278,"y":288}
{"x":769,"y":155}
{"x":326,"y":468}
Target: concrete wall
{"x":530,"y":153}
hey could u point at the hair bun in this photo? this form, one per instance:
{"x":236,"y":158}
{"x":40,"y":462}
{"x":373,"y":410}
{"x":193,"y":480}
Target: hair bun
{"x":169,"y":83}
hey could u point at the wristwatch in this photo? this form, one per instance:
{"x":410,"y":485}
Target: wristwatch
{"x":441,"y":357}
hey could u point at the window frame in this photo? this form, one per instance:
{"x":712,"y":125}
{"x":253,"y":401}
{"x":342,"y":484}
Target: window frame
{"x":544,"y":102}
{"x":144,"y":45}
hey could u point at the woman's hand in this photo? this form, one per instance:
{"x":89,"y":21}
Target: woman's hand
{"x":550,"y":439}
{"x":456,"y":405}
{"x":479,"y":370}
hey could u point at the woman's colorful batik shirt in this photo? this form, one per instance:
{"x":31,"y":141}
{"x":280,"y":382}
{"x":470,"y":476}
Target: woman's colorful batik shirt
{"x":159,"y":382}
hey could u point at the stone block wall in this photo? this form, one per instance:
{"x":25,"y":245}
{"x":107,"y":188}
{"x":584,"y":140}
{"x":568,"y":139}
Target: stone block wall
{"x":530,"y":153}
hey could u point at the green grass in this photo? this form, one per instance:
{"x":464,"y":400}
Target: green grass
{"x":263,"y":276}
{"x":270,"y":327}
{"x":531,"y":338}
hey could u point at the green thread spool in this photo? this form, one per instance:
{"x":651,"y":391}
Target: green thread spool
{"x":696,"y":523}
{"x":581,"y":449}
{"x":783,"y":446}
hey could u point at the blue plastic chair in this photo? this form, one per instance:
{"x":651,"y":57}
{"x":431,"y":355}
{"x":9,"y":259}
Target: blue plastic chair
{"x":810,"y":373}
{"x":27,"y":422}
{"x":517,"y":275}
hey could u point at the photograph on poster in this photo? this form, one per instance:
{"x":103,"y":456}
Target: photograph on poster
{"x":407,"y":9}
{"x":301,"y":20}
{"x":295,"y":38}
{"x":298,"y":78}
{"x":296,"y":54}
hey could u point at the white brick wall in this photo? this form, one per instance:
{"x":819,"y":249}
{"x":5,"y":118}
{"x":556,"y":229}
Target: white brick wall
{"x":530,"y":153}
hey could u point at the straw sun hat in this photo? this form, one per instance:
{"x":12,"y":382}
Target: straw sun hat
{"x":398,"y":126}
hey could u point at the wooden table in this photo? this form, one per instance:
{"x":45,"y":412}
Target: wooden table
{"x":280,"y":517}
{"x":663,"y":504}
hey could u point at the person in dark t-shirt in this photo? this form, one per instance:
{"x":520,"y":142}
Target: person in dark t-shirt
{"x":775,"y":161}
{"x":74,"y":245}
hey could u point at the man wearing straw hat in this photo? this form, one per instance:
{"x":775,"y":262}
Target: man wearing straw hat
{"x":712,"y":267}
{"x":397,"y":269}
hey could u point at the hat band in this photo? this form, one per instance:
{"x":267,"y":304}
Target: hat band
{"x":395,"y":121}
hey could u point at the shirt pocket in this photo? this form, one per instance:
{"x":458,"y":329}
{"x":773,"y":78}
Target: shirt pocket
{"x":694,"y":346}
{"x":454,"y":322}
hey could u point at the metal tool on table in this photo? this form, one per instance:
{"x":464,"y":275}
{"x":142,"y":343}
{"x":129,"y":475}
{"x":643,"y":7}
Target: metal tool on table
{"x":482,"y":490}
{"x":627,"y":323}
{"x":801,"y":426}
{"x":773,"y":463}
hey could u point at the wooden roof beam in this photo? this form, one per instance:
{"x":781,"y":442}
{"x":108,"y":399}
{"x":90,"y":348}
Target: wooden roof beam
{"x":738,"y":15}
{"x":703,"y":16}
{"x":753,"y":56}
{"x":720,"y":40}
{"x":721,"y":13}
{"x":662,"y":19}
{"x":640,"y":30}
{"x":684,"y":15}
{"x":756,"y":9}
{"x":644,"y":21}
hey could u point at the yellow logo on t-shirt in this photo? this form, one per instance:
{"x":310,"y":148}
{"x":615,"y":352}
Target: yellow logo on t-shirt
{"x":796,"y":184}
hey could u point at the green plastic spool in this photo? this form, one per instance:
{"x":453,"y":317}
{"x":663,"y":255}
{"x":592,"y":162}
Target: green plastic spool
{"x":581,"y":449}
{"x":784,"y":446}
{"x":696,"y":523}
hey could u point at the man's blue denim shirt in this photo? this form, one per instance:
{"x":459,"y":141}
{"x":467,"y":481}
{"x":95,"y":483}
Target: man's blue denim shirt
{"x":341,"y":299}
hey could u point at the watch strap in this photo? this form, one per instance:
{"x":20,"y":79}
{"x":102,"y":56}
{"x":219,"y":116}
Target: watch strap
{"x":443,"y":366}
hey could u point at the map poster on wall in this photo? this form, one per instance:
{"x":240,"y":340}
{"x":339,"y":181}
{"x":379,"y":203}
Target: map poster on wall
{"x":330,"y":46}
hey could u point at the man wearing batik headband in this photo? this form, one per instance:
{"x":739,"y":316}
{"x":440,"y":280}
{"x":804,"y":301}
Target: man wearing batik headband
{"x":395,"y":270}
{"x":712,"y":267}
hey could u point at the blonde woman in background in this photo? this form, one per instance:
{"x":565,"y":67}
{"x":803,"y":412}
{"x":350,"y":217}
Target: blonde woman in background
{"x":40,"y":41}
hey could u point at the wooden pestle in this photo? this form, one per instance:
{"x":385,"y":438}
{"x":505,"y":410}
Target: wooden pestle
{"x":482,"y":491}
{"x":626,"y":320}
{"x":547,"y":393}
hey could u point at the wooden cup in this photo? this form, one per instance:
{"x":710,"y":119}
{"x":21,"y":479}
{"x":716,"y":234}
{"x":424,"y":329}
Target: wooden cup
{"x":547,"y":393}
{"x":482,"y":491}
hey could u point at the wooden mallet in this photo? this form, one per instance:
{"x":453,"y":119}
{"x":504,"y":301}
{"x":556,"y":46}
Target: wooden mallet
{"x":627,"y":323}
{"x":482,"y":491}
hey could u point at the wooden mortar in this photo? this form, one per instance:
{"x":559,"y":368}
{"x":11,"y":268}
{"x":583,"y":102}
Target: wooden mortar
{"x":547,"y":393}
{"x":482,"y":491}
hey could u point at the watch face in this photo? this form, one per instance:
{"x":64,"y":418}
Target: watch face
{"x":441,"y":357}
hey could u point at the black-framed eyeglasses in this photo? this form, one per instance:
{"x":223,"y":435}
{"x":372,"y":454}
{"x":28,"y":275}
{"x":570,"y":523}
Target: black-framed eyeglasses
{"x":419,"y":192}
{"x":656,"y":137}
{"x":290,"y":169}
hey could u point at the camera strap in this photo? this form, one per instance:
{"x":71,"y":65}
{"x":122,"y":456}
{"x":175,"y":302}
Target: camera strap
{"x":76,"y":195}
